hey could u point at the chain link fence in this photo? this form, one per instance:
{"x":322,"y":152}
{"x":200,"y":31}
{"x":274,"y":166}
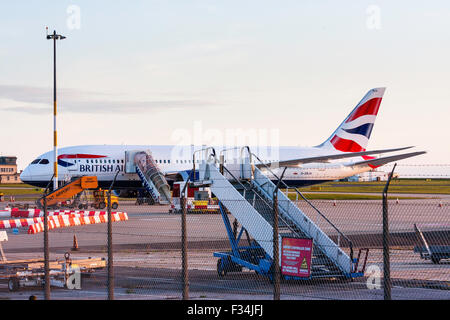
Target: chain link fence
{"x":147,"y":249}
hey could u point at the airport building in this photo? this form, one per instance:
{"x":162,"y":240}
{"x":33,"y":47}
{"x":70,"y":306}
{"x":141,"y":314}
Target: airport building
{"x":372,"y":175}
{"x":8,"y":170}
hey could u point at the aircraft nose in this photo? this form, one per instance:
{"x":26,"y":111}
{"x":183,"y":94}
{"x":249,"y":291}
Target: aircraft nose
{"x":25,"y":176}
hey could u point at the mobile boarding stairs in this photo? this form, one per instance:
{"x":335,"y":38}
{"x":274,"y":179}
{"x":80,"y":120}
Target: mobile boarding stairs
{"x":153,"y":180}
{"x":246,"y":193}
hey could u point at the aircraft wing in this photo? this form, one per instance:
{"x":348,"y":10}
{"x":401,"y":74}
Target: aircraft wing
{"x":382,"y":161}
{"x":325,"y":158}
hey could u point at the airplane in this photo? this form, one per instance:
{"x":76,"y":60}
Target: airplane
{"x":341,"y":156}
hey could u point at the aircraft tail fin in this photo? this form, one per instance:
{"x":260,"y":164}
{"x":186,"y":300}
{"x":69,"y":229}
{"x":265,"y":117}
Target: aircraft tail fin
{"x":354,"y":132}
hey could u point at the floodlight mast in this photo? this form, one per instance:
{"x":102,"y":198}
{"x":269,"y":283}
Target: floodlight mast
{"x":54,"y":36}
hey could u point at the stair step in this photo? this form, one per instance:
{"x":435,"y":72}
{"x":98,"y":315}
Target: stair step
{"x":326,"y":275}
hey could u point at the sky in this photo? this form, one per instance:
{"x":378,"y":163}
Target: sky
{"x":167,"y":72}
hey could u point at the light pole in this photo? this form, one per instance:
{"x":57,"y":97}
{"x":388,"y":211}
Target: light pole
{"x":55,"y":37}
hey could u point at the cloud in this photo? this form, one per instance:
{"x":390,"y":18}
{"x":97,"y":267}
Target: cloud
{"x":38,"y":100}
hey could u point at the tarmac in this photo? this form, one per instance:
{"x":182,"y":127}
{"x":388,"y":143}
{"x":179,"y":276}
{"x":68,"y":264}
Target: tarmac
{"x":147,"y":259}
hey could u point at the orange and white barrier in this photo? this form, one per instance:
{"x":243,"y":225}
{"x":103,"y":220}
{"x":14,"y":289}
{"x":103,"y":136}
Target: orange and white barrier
{"x":18,"y":223}
{"x":93,"y":216}
{"x":33,"y":213}
{"x":71,"y":221}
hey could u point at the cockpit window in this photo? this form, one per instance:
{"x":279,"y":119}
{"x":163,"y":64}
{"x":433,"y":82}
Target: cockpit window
{"x":44,"y":161}
{"x":36,"y":161}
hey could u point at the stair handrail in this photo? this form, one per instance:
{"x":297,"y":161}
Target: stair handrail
{"x":317,"y":210}
{"x":237,"y":148}
{"x":249,"y":152}
{"x":259,"y":196}
{"x":200,"y":150}
{"x":227,"y":149}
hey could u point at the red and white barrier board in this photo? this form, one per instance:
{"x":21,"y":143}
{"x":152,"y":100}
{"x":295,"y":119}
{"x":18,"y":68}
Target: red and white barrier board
{"x":71,"y":221}
{"x":19,"y":213}
{"x":18,"y":223}
{"x":34,"y":213}
{"x":65,"y":220}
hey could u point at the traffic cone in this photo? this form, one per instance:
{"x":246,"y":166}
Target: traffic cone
{"x":75,"y":243}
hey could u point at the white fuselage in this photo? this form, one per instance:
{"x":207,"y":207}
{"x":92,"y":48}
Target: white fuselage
{"x":104,"y":161}
{"x":176,"y":161}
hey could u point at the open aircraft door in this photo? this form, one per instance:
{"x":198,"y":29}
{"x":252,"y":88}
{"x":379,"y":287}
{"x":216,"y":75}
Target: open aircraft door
{"x":130,"y":166}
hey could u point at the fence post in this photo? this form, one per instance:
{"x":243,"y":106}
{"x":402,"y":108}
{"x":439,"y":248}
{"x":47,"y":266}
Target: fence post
{"x":110,"y":281}
{"x":276,"y":250}
{"x":387,"y":285}
{"x":110,"y":252}
{"x":46,"y":247}
{"x":276,"y":262}
{"x":184,"y":258}
{"x":46,"y":253}
{"x":235,"y":228}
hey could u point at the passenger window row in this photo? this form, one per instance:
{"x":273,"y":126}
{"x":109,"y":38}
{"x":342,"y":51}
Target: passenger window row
{"x":117,"y":161}
{"x":106,"y":161}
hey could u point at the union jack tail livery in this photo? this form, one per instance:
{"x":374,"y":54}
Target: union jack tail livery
{"x":354,"y":133}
